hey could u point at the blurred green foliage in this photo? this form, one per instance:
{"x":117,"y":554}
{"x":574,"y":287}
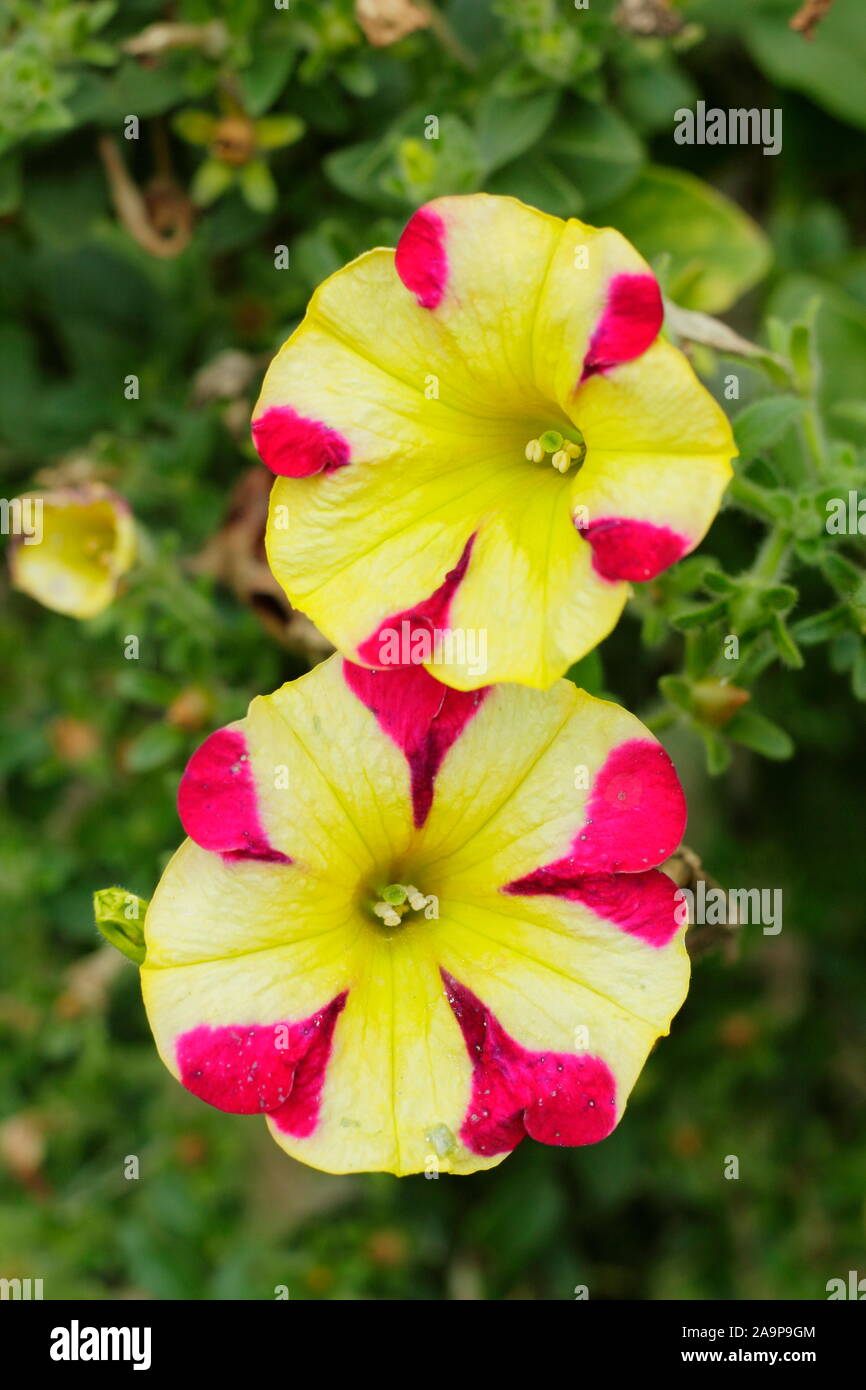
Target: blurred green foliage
{"x":326,"y":154}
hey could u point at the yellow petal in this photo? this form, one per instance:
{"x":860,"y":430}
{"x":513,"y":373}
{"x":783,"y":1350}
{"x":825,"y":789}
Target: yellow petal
{"x":658,"y":451}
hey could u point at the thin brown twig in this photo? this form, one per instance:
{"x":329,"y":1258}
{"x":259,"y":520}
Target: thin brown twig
{"x":135,"y":213}
{"x":809,"y":16}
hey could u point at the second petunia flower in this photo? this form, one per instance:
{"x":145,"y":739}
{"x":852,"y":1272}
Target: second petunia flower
{"x":414,"y":925}
{"x":481,"y":437}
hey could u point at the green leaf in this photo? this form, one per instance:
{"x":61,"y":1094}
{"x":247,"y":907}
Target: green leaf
{"x":257,"y":186}
{"x":357,"y":171}
{"x":751,"y":497}
{"x":801,"y":347}
{"x":840,"y":573}
{"x":273,"y":132}
{"x":854,"y":411}
{"x":652,"y":88}
{"x":765,"y":423}
{"x":155,"y":746}
{"x":592,"y":158}
{"x":719,"y":583}
{"x":131,"y":88}
{"x":785,"y":644}
{"x":780,"y":597}
{"x":211,"y":180}
{"x":678,"y":691}
{"x":588,"y":673}
{"x":358,"y":77}
{"x":820,"y":627}
{"x":261,"y":83}
{"x":839,"y":341}
{"x":653,"y":628}
{"x":755,"y":731}
{"x":716,"y":252}
{"x":691,"y":617}
{"x":844,"y":651}
{"x":536,"y":180}
{"x":403,"y":169}
{"x":598,"y":151}
{"x":717,"y":750}
{"x":507,"y":125}
{"x":120,"y":918}
{"x":828,"y":67}
{"x":145,"y":687}
{"x":702,"y":649}
{"x":858,"y":673}
{"x":196,"y":127}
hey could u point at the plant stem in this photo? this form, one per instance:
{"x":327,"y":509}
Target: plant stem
{"x":751,"y":497}
{"x":770,"y":560}
{"x":768,"y":567}
{"x":440,"y":26}
{"x":814,"y":432}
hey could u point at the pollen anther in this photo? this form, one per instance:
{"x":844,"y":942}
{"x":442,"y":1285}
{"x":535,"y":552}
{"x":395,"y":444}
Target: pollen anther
{"x":564,"y":452}
{"x":398,"y":899}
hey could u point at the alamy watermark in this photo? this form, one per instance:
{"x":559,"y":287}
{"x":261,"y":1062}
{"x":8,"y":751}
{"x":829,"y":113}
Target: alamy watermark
{"x":708,"y":906}
{"x":411,"y":645}
{"x":23,"y":1289}
{"x":846,"y":516}
{"x":737,"y":126}
{"x":22,"y":516}
{"x":77,"y":1343}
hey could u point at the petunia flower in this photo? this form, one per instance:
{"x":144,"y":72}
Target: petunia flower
{"x":483,"y":432}
{"x":74,"y":547}
{"x":413,"y":925}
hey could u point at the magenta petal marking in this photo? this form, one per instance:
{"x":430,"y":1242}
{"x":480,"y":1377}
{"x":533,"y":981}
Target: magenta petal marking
{"x":217,"y":803}
{"x":631,"y":321}
{"x":277,"y":1069}
{"x":421,"y":260}
{"x":632,"y":550}
{"x":294,"y":447}
{"x":428,"y":616}
{"x":555,"y":1097}
{"x":643,"y":905}
{"x":634,"y":820}
{"x":422,"y":716}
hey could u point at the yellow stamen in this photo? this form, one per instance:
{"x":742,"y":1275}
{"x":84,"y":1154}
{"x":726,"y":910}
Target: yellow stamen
{"x":387,"y":913}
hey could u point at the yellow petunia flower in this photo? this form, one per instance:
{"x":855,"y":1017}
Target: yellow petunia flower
{"x":74,"y":549}
{"x":413,"y":925}
{"x":481,"y":433}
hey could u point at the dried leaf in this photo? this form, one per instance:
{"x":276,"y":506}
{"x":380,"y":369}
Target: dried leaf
{"x":236,"y":557}
{"x":387,"y":21}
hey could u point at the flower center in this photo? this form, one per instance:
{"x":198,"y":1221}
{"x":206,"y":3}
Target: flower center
{"x":400,"y":900}
{"x":564,"y":451}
